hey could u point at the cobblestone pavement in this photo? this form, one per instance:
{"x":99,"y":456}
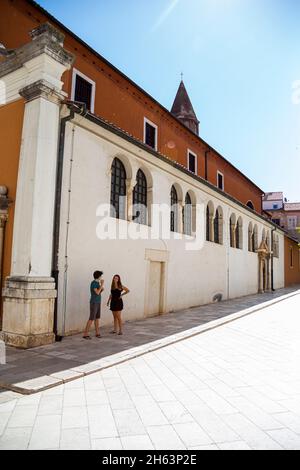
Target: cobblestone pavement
{"x":41,"y":367}
{"x":234,"y":387}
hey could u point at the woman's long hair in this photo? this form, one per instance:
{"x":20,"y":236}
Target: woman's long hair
{"x":119,"y":282}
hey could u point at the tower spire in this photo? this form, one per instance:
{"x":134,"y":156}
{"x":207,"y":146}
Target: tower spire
{"x":183,"y":110}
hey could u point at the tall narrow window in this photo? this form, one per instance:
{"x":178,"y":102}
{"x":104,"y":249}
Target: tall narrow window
{"x":220,"y":178}
{"x":232,"y":231}
{"x":118,"y":189}
{"x":253,"y":241}
{"x":83,"y":90}
{"x":207,"y":224}
{"x":250,"y":237}
{"x":140,"y":199}
{"x":150,"y":134}
{"x":187,"y":215}
{"x":192,"y":162}
{"x":239,"y":234}
{"x":216,"y":227}
{"x":173,"y":213}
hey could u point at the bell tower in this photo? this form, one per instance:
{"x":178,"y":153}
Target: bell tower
{"x":183,"y":110}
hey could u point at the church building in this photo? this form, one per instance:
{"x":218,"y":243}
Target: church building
{"x":96,"y":174}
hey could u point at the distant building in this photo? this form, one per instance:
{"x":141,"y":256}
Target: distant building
{"x":273,"y":201}
{"x":285,"y":214}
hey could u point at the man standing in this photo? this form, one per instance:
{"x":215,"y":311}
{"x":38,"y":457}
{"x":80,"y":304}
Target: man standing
{"x":95,"y":304}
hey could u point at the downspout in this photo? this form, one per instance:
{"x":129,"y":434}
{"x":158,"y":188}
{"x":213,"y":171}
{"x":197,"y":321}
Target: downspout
{"x":81,"y":109}
{"x":58,"y":191}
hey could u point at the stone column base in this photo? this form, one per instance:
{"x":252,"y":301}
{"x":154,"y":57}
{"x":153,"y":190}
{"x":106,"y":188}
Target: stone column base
{"x":26,"y":342}
{"x":28,"y":311}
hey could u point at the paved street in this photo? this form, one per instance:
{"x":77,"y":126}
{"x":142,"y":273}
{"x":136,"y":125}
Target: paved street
{"x":234,"y":387}
{"x":38,"y":368}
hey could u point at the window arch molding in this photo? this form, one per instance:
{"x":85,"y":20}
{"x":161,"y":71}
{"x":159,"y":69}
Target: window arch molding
{"x":140,"y":199}
{"x":210,"y":213}
{"x":218,"y":226}
{"x":176,"y":201}
{"x":250,"y":237}
{"x":250,"y":205}
{"x":118,"y":189}
{"x":142,"y":194}
{"x":232,"y":233}
{"x":239,"y":233}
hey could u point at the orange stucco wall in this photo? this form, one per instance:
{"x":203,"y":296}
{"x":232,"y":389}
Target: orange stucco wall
{"x":292,"y":270}
{"x":122,"y":103}
{"x":11,"y":121}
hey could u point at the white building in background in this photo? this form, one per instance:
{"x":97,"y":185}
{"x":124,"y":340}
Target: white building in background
{"x":273,"y":201}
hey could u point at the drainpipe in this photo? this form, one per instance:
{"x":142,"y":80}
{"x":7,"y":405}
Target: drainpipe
{"x":59,"y":174}
{"x":272,"y":259}
{"x":58,"y":192}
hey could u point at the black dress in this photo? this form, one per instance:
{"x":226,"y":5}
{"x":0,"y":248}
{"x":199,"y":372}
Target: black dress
{"x":116,"y":303}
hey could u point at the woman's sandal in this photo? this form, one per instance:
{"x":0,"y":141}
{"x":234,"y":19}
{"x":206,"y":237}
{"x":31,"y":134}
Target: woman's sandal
{"x":87,"y":337}
{"x":98,"y":336}
{"x":112,"y":332}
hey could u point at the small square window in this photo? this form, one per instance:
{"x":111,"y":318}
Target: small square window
{"x":83,"y":90}
{"x":150,"y":134}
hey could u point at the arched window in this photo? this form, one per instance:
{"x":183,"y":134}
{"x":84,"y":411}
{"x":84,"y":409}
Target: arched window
{"x":118,"y":190}
{"x":239,"y":234}
{"x":173,"y":213}
{"x":210,"y":210}
{"x":254,"y":239}
{"x":250,"y":237}
{"x":232,"y":231}
{"x":187,"y":215}
{"x":207,"y":223}
{"x":250,"y":204}
{"x":216,"y":227}
{"x":140,"y":199}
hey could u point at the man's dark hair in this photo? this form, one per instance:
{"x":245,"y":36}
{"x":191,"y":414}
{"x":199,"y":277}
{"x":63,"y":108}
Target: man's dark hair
{"x":97,"y":274}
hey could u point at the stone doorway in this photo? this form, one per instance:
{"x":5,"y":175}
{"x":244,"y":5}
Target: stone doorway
{"x":264,"y":277}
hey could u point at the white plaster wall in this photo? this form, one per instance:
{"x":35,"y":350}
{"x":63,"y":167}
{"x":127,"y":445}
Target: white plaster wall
{"x":269,"y":205}
{"x":192,"y":277}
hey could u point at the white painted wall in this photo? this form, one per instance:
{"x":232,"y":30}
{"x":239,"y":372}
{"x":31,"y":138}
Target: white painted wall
{"x":192,"y":277}
{"x":269,"y":205}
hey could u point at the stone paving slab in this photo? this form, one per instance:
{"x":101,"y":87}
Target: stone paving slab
{"x":38,"y":369}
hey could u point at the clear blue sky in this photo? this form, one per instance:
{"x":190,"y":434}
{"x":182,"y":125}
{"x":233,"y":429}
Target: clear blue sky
{"x":240,"y":59}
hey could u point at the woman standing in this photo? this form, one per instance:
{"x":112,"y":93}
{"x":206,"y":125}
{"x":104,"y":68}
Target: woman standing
{"x":116,"y":302}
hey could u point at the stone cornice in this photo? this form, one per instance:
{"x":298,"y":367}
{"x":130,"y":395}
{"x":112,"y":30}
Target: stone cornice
{"x":45,"y":40}
{"x":42,"y":89}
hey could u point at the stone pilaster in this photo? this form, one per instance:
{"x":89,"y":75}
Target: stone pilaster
{"x":29,"y":292}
